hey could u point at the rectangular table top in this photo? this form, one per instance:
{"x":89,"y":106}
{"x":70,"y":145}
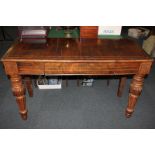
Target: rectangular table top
{"x":63,"y":49}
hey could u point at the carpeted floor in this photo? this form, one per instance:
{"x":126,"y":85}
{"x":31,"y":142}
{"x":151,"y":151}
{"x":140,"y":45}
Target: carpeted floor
{"x":74,"y":107}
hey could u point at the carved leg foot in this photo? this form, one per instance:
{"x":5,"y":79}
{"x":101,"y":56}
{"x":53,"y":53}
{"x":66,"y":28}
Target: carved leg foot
{"x":135,"y":91}
{"x":121,"y":86}
{"x":19,"y":92}
{"x":28,"y":83}
{"x":24,"y":116}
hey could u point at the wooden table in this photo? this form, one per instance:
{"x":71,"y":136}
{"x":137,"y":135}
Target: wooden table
{"x":77,"y":57}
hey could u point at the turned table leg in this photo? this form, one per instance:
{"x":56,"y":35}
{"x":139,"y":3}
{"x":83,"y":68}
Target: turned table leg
{"x":121,"y":86}
{"x":135,"y":91}
{"x":28,"y":83}
{"x":19,"y":92}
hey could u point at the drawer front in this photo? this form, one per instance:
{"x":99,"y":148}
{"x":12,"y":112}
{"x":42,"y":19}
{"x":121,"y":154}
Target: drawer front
{"x":31,"y":68}
{"x":96,"y":68}
{"x":109,"y":68}
{"x":62,"y":68}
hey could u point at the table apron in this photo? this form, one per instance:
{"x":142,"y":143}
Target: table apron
{"x":92,"y":68}
{"x":77,"y":68}
{"x":31,"y":68}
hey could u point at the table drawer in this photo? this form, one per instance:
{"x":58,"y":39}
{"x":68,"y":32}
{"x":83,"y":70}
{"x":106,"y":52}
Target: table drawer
{"x":108,"y":68}
{"x":62,"y":68}
{"x":31,"y":68}
{"x":94,"y":68}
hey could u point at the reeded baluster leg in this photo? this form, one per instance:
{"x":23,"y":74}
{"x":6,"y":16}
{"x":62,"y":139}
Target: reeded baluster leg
{"x":28,"y":83}
{"x":121,"y":86}
{"x":19,"y":92}
{"x":135,"y":90}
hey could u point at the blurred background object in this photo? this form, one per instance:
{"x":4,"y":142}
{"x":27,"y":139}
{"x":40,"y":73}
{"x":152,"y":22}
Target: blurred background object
{"x":68,"y":30}
{"x":33,"y":34}
{"x":8,"y":33}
